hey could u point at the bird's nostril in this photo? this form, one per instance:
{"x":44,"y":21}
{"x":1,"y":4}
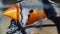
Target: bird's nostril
{"x":31,"y":11}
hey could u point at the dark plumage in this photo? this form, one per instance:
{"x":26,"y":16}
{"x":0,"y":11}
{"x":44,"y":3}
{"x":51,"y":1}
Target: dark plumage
{"x":51,"y":14}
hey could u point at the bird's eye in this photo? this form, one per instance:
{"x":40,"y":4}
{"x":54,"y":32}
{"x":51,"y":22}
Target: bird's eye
{"x":31,"y":11}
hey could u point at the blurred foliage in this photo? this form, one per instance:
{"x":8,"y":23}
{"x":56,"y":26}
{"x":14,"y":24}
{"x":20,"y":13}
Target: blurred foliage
{"x":0,"y":19}
{"x":7,"y":2}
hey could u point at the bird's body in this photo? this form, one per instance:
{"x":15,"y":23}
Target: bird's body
{"x":39,"y":9}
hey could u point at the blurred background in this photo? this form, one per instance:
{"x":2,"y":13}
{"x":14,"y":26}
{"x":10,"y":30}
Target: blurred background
{"x":5,"y":21}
